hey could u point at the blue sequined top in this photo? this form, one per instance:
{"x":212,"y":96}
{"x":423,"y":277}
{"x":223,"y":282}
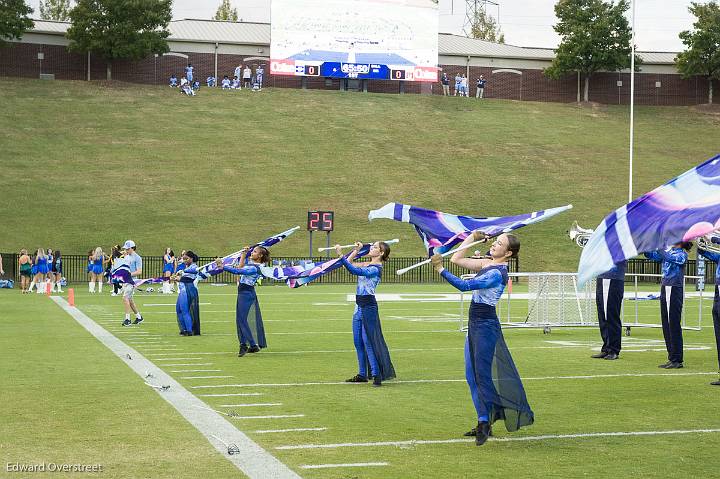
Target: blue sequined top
{"x":673,"y":265}
{"x":487,"y":285}
{"x":249,"y":274}
{"x":712,"y":256}
{"x":368,"y":277}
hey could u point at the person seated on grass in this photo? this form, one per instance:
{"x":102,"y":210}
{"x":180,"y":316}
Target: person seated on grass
{"x":225,"y":83}
{"x":173,"y":81}
{"x":187,"y":89}
{"x":236,"y":84}
{"x":210,"y":81}
{"x":196,"y":85}
{"x":183,"y":82}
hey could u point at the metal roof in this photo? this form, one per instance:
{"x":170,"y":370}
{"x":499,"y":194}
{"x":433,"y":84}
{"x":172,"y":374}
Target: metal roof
{"x":211,"y":31}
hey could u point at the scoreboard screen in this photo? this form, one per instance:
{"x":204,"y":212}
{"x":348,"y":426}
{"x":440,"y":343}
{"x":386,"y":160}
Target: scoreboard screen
{"x":364,"y":39}
{"x":321,"y":220}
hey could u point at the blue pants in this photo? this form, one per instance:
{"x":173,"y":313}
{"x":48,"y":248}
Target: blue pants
{"x":245,"y":307}
{"x":608,"y":298}
{"x":671,"y":305}
{"x":182,"y":308}
{"x":363,"y":347}
{"x":478,"y":373}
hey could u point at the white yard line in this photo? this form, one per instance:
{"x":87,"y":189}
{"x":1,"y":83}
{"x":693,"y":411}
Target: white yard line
{"x":228,"y":395}
{"x":206,"y":377}
{"x":253,"y":460}
{"x":297,"y":429}
{"x":414,"y":442}
{"x":188,"y":364}
{"x":353,"y":464}
{"x":430,"y":381}
{"x":279,"y":416}
{"x":197,"y":371}
{"x":253,"y":405}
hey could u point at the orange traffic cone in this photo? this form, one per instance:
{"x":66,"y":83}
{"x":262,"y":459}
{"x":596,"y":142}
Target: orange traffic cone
{"x":47,"y":288}
{"x":71,"y":296}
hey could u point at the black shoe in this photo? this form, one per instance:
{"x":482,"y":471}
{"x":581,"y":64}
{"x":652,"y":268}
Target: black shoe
{"x":377,"y":382}
{"x":483,"y":432}
{"x":254,"y":349}
{"x":611,"y":357}
{"x":664,"y":366}
{"x":715,"y":383}
{"x":138,"y":320}
{"x":674,"y":365}
{"x":243,"y":350}
{"x":473,"y":432}
{"x":600,"y":355}
{"x":357,"y":379}
{"x":126,"y":322}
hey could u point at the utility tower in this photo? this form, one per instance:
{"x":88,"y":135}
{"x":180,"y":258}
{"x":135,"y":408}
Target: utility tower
{"x":471,"y":9}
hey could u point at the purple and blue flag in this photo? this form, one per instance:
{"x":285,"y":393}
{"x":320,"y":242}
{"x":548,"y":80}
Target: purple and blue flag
{"x":441,"y":231}
{"x":682,"y":209}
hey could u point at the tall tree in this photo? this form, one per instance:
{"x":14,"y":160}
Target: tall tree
{"x":58,"y":10}
{"x":485,"y":27}
{"x":702,"y":56}
{"x":226,"y":12}
{"x":14,"y":19}
{"x":115,"y":29}
{"x":595,"y":36}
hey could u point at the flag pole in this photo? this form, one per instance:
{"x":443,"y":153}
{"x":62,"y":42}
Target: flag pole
{"x":448,"y":253}
{"x":632,"y":103}
{"x":320,"y":250}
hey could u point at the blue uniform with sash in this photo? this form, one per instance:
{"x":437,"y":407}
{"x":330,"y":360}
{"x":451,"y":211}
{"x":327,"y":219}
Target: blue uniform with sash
{"x":248,"y":318}
{"x":187,"y":306}
{"x":370,"y":344}
{"x":495,"y":386}
{"x":672,"y":293}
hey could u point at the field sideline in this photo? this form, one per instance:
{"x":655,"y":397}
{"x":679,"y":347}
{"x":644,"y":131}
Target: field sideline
{"x":87,"y":164}
{"x":70,"y":400}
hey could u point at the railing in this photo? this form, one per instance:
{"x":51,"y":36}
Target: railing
{"x":75,"y":269}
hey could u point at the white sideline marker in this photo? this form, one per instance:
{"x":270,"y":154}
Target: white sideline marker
{"x":354,"y":464}
{"x":497,"y":439}
{"x":253,"y":460}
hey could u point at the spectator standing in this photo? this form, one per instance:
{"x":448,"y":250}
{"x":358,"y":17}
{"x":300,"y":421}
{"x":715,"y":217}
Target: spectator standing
{"x":480,"y":91}
{"x":458,"y":82}
{"x":189,"y":72}
{"x":445,"y":81}
{"x":247,"y":76}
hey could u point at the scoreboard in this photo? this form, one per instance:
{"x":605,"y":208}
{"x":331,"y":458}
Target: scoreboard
{"x":321,"y":221}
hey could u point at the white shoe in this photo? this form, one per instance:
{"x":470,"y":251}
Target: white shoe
{"x":113,"y":294}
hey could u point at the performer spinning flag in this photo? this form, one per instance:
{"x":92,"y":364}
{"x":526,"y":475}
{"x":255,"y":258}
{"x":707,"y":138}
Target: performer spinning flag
{"x":247,"y":251}
{"x":249,"y":261}
{"x":681,"y":210}
{"x":441,"y":231}
{"x":495,"y":385}
{"x":367,"y":333}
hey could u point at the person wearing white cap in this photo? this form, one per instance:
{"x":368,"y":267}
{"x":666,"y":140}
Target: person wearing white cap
{"x":134,"y":263}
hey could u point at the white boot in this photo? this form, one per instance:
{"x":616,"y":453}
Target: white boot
{"x":52,"y":286}
{"x":91,"y":286}
{"x":99,"y":288}
{"x":32,"y":285}
{"x":41,"y":287}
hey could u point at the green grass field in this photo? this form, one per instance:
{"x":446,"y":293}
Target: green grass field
{"x":67,"y":399}
{"x":84,"y":164}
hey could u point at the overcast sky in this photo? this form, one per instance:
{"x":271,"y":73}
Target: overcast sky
{"x":524,"y":22}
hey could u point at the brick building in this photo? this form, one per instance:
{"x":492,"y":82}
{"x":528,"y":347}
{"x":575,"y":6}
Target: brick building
{"x":215,"y":47}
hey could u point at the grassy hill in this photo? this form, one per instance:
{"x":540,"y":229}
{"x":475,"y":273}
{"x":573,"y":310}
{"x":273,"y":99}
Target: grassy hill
{"x":86,"y":164}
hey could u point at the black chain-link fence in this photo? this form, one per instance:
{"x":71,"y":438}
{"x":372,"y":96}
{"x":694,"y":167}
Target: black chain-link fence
{"x":75,"y":269}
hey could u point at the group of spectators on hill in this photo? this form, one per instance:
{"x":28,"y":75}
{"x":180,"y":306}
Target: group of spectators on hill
{"x":243,"y":77}
{"x":461,"y":86}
